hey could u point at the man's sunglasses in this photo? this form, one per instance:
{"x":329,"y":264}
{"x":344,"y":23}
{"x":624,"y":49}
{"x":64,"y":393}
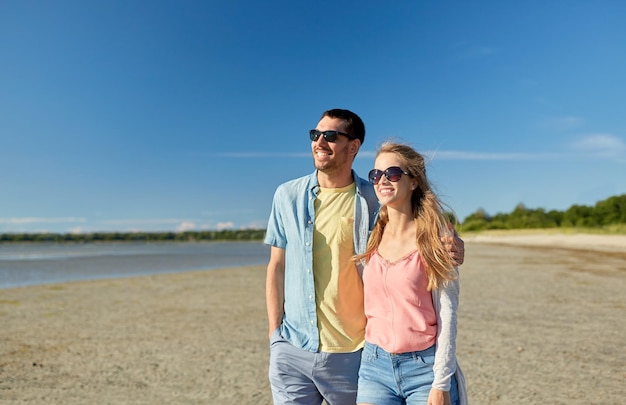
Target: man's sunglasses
{"x":329,"y":136}
{"x":393,"y":173}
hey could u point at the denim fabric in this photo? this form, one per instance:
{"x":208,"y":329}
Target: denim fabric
{"x":290,"y":227}
{"x":301,"y":377}
{"x":390,"y":379}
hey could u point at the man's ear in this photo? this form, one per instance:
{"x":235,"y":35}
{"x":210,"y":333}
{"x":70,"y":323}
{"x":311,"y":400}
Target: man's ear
{"x":355,"y":145}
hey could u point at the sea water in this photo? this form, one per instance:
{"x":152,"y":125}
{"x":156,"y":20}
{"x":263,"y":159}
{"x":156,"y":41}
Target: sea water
{"x":26,"y":264}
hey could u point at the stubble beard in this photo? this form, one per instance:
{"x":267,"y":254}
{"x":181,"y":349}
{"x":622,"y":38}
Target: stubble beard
{"x":331,"y":166}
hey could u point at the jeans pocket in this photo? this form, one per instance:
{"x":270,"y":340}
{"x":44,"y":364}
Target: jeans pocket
{"x":368,"y":355}
{"x":426,"y":357}
{"x":426,"y":360}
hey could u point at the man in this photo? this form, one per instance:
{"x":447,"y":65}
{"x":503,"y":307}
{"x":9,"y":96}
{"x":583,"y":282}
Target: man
{"x":314,"y":290}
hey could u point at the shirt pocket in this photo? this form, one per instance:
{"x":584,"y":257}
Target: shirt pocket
{"x":345,"y":232}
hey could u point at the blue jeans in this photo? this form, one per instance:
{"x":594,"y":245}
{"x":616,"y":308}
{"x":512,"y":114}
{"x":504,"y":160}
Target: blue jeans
{"x":406,"y":378}
{"x":301,"y":377}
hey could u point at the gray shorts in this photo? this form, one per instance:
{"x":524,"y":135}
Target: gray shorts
{"x":306,"y":378}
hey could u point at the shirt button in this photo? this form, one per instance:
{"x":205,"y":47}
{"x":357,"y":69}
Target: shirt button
{"x":308,"y":270}
{"x":310,"y":297}
{"x":307,"y":244}
{"x":312,"y":321}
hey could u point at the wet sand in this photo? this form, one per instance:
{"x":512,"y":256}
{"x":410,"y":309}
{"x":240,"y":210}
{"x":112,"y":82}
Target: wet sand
{"x":541,"y":321}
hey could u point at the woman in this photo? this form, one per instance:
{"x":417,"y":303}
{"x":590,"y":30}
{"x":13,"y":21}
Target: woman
{"x":411,"y":291}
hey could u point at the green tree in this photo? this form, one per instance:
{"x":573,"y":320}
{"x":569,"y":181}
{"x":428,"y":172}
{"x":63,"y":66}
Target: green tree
{"x":610,"y":211}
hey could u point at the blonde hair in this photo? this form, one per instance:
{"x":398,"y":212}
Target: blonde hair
{"x":430,"y":220}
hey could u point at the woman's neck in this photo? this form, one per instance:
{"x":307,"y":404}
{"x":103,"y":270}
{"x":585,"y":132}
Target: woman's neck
{"x":399,"y":223}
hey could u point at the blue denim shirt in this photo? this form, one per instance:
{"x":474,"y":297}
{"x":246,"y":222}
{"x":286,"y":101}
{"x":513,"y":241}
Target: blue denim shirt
{"x":290,"y":227}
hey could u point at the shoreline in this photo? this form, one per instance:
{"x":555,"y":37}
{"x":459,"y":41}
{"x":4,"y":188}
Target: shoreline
{"x":22,"y":265}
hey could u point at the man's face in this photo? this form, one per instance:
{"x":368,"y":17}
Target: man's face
{"x":333,"y":157}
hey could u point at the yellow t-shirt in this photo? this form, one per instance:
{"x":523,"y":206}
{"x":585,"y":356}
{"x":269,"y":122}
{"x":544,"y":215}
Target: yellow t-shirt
{"x":338,"y":286}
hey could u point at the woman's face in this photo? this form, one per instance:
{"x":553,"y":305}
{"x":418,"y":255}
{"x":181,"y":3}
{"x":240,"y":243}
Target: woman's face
{"x":395,"y":189}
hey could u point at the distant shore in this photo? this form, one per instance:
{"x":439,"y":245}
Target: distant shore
{"x":551,"y":239}
{"x":536,"y":325}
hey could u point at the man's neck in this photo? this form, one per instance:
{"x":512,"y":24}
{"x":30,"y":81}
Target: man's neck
{"x":334,"y":180}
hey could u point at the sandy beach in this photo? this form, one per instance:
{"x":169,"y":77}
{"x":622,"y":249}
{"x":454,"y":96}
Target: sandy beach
{"x":542,"y":321}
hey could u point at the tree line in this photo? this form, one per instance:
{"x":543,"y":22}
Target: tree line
{"x":188,"y":236}
{"x":605,"y":213}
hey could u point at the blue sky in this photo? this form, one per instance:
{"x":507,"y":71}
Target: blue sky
{"x":186,"y":115}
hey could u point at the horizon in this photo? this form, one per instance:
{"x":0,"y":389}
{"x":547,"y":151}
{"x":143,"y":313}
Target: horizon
{"x":461,"y":222}
{"x":168,"y":117}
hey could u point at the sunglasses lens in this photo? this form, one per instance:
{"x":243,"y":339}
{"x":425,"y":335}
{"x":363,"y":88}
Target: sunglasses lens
{"x":374,"y":176}
{"x":330,"y":136}
{"x":393,"y":174}
{"x":314,"y":134}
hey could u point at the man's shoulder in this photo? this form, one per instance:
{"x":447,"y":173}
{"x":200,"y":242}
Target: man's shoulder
{"x":364,"y":184}
{"x":297,"y":185}
{"x":365,"y":187}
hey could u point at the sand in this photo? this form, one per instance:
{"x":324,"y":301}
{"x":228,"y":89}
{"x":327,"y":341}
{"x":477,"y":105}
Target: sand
{"x":540,"y":322}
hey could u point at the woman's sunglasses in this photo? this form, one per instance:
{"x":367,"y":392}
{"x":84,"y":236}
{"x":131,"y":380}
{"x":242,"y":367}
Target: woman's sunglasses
{"x":329,"y":136}
{"x":393,"y":174}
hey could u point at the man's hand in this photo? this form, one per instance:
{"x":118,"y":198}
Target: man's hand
{"x":454,"y":245}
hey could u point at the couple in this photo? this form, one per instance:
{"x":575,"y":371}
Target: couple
{"x":350,"y":310}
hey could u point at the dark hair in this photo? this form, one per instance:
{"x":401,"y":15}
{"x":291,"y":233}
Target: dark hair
{"x":354,"y":127}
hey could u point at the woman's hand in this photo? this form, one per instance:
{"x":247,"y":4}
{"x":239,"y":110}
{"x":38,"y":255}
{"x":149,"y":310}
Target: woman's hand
{"x":438,"y":397}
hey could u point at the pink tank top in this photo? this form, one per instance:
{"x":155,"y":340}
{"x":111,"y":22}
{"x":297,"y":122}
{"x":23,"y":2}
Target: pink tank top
{"x":399,"y":309}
